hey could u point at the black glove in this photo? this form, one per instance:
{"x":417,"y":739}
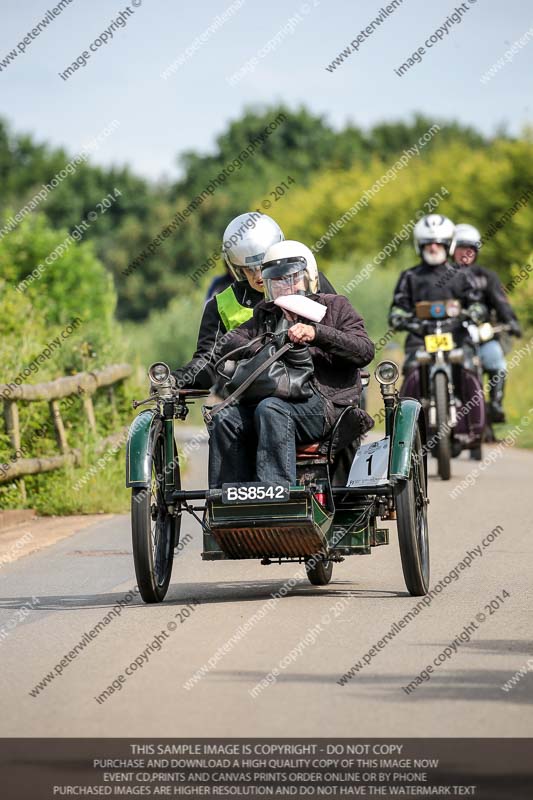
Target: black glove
{"x":414,"y":326}
{"x":514,"y":328}
{"x":400,"y":321}
{"x":197,"y":374}
{"x":182,"y":378}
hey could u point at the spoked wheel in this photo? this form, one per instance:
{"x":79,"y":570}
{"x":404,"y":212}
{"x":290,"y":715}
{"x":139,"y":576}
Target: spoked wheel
{"x":155,"y":531}
{"x":443,"y":444}
{"x":411,"y":510}
{"x":319,"y":572}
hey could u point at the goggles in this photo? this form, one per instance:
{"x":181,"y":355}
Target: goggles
{"x":288,"y":276}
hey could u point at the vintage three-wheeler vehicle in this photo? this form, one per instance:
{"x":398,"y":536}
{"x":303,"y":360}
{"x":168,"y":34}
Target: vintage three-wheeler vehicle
{"x":315,"y":521}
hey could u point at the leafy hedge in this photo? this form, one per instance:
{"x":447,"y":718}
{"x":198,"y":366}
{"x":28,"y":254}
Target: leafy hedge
{"x":40,"y":342}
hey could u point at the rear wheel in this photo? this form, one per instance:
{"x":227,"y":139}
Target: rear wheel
{"x":411,"y":511}
{"x":155,"y":532}
{"x":319,"y":572}
{"x":443,"y":432}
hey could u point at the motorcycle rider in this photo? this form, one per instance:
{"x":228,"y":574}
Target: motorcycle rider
{"x":244,"y":244}
{"x":434,"y":278}
{"x":464,"y":249}
{"x":257,"y":441}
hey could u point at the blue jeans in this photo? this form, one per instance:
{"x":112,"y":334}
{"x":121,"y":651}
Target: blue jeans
{"x":492,"y":357}
{"x":258,"y":442}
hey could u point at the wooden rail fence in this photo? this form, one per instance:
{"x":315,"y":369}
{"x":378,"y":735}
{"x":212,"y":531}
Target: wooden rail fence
{"x":84,"y":385}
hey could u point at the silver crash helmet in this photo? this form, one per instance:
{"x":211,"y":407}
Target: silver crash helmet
{"x":289,"y":268}
{"x":433,"y":228}
{"x":246,"y":240}
{"x":465,"y":236}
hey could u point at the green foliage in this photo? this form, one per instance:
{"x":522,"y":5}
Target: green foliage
{"x":73,"y":285}
{"x":169,"y":335}
{"x":105,"y":492}
{"x":371,"y":297}
{"x":36,"y":345}
{"x":519,"y":397}
{"x":521,"y":294}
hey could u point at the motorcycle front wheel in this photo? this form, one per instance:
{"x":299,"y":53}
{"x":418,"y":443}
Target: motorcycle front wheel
{"x":444,"y":445}
{"x":155,"y":531}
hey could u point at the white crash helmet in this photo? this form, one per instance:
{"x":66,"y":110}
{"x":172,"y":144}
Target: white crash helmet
{"x":433,"y":228}
{"x":465,"y":236}
{"x":289,"y":268}
{"x":246,"y":240}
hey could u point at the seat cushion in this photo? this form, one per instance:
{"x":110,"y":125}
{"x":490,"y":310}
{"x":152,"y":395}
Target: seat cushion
{"x":307,"y":450}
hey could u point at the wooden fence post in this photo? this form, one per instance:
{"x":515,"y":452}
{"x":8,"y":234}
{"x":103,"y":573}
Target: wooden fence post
{"x":61,"y":436}
{"x":11,"y":416}
{"x":89,"y":410}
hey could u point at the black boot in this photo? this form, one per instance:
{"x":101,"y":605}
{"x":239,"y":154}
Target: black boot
{"x":497,"y":385}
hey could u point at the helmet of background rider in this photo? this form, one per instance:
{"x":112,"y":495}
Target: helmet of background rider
{"x":246,"y":240}
{"x":433,"y":229}
{"x":289,"y":268}
{"x":466,"y":236}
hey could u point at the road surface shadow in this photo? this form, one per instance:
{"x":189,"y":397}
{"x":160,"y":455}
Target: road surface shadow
{"x":212,"y":592}
{"x":472,"y":685}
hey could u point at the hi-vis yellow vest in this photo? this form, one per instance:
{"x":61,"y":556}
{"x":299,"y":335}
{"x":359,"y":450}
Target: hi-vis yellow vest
{"x":232,"y":313}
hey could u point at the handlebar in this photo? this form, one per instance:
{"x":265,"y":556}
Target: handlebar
{"x":194,"y":392}
{"x":459,"y":319}
{"x":501,"y":326}
{"x":176,"y":394}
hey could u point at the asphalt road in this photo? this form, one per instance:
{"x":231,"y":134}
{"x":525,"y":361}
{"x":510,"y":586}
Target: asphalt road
{"x":78,"y":580}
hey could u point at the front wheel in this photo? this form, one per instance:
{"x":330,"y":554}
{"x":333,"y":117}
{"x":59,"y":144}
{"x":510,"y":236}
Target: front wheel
{"x":411,"y":511}
{"x":319,"y":572}
{"x":155,"y":531}
{"x":443,"y":430}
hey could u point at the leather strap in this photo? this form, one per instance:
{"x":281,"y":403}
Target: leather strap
{"x":246,"y":346}
{"x":209,"y":413}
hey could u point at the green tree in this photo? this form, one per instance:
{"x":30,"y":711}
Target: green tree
{"x":55,"y":280}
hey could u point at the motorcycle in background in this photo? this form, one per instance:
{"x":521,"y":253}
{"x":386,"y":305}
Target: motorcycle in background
{"x":450,"y":392}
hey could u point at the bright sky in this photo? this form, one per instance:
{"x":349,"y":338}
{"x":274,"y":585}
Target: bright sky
{"x":160,"y":118}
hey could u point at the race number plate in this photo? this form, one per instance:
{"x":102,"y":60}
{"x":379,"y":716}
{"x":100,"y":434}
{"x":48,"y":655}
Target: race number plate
{"x":254,"y":492}
{"x":370,"y":466}
{"x":438,"y":341}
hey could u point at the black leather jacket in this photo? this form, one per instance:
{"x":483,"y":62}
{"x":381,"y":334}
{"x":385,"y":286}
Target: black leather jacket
{"x":424,"y":282}
{"x":492,"y":293}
